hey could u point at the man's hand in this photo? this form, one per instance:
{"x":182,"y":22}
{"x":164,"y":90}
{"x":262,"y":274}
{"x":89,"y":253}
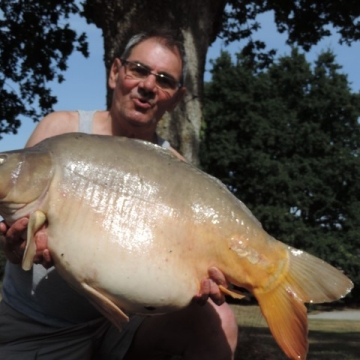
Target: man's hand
{"x":42,"y":255}
{"x":210,"y":287}
{"x":14,"y":239}
{"x":14,"y":243}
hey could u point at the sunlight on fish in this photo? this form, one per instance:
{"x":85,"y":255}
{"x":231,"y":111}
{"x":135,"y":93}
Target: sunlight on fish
{"x":135,"y":230}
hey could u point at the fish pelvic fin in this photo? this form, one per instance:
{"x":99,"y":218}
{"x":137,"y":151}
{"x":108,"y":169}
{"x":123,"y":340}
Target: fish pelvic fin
{"x":235,"y":294}
{"x":105,"y":306}
{"x":305,"y":279}
{"x":36,"y":221}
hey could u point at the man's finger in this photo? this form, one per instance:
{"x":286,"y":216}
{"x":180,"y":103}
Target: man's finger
{"x":3,"y":227}
{"x":215,"y":294}
{"x":16,"y":231}
{"x":204,"y":292}
{"x":14,"y":243}
{"x":217,"y":276}
{"x":47,"y":260}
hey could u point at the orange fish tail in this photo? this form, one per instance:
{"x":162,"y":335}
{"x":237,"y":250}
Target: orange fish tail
{"x":286,"y":316}
{"x":306,"y":279}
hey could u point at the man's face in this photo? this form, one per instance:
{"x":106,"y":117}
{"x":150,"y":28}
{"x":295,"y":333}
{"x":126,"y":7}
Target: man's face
{"x":141,"y":102}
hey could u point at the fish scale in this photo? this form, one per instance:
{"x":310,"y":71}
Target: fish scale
{"x":135,"y":230}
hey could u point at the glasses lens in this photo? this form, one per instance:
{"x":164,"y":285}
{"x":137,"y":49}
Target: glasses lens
{"x":166,"y":82}
{"x":139,"y":71}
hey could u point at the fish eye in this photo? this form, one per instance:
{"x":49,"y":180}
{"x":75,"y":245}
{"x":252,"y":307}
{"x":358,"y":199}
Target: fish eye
{"x":2,"y":159}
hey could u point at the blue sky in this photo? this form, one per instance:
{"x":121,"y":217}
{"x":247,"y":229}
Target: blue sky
{"x":85,"y":84}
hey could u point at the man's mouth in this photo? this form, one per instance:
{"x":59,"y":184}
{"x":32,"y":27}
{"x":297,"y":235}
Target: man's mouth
{"x":142,"y":103}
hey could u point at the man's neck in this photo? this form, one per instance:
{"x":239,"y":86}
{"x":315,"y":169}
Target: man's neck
{"x":126,"y":129}
{"x":136,"y":134}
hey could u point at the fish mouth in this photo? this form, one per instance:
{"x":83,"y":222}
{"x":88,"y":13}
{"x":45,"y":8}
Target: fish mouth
{"x":12,"y":211}
{"x":14,"y":207}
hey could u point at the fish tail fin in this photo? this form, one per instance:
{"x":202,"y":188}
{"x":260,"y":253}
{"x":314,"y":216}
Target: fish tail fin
{"x":36,"y":220}
{"x":286,"y":316}
{"x":314,"y":280}
{"x":306,"y":279}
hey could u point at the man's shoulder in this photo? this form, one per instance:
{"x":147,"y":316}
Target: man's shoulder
{"x":59,"y":122}
{"x":60,"y":119}
{"x":55,"y":123}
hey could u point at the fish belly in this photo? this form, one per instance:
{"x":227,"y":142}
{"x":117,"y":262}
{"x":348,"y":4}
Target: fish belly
{"x":142,"y":268}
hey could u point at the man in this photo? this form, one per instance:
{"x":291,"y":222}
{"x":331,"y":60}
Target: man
{"x":40,"y":316}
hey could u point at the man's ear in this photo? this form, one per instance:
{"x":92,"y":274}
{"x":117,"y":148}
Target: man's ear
{"x":179,"y":95}
{"x":114,"y":73}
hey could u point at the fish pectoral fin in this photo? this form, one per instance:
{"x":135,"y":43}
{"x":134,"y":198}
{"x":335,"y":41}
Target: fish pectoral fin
{"x":104,"y":305}
{"x":286,"y":316}
{"x":36,"y":221}
{"x":235,"y":294}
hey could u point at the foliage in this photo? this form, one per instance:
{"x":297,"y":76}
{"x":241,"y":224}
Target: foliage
{"x":201,"y":25}
{"x":36,"y":38}
{"x":35,"y":43}
{"x":306,"y":22}
{"x":286,"y":139}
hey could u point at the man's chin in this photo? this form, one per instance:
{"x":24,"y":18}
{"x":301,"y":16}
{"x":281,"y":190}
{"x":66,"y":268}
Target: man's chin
{"x":144,"y":122}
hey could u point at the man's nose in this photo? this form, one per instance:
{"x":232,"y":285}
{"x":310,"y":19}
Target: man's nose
{"x":149,"y":83}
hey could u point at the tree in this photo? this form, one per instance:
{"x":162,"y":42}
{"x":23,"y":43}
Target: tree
{"x":306,"y":22}
{"x":199,"y":21}
{"x":35,"y":43}
{"x":285,"y":138}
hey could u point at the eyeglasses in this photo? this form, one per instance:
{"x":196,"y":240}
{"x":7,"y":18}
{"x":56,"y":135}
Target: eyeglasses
{"x":140,"y":72}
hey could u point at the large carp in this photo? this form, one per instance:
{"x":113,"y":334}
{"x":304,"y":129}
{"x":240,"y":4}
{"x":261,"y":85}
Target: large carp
{"x":135,"y":230}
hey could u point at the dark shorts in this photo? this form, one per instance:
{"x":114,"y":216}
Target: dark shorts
{"x":22,"y":338}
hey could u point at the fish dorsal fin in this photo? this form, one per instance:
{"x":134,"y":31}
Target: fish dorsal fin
{"x":36,"y":221}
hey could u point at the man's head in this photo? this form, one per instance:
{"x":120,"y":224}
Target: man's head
{"x":167,"y":37}
{"x":147,"y":79}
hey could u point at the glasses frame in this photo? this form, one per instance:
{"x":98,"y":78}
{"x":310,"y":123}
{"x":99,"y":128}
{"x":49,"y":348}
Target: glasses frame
{"x":148,"y":72}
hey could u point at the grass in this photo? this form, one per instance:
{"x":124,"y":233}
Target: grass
{"x":329,"y":339}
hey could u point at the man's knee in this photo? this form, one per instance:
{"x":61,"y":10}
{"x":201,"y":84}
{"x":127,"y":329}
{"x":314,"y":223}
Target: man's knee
{"x":228,"y":323}
{"x":196,"y":332}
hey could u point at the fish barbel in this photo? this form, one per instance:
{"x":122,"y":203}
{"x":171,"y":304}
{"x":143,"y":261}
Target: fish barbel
{"x":135,"y":230}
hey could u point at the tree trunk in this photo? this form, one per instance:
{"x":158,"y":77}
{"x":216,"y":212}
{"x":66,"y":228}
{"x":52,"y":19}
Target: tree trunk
{"x":199,"y":22}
